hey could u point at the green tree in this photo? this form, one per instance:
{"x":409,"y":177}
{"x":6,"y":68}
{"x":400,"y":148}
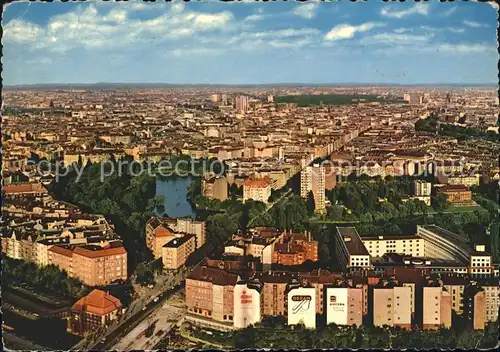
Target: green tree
{"x":440,"y":202}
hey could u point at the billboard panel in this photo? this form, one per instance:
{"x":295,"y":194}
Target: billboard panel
{"x":337,"y":305}
{"x":302,"y":307}
{"x":246,"y":306}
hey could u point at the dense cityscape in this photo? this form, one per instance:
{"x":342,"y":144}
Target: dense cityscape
{"x":370,"y":207}
{"x":229,"y":175}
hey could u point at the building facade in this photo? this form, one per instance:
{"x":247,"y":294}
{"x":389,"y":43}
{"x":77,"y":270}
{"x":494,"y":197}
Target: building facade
{"x":96,"y":310}
{"x":312,"y":179}
{"x":258,"y":190}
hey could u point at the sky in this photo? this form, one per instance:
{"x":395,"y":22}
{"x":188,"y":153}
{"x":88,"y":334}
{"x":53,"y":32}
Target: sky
{"x":249,"y":42}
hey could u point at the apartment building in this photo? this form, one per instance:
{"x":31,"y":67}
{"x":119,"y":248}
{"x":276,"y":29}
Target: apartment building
{"x":301,"y":306}
{"x":175,"y":253}
{"x":343,"y":306}
{"x":312,"y":179}
{"x":162,"y":231}
{"x":422,"y":191}
{"x":475,"y":307}
{"x":90,"y":313}
{"x":422,"y":188}
{"x":350,"y":250}
{"x":392,"y":306}
{"x":465,"y":180}
{"x":93,"y":265}
{"x":491,"y":288}
{"x":241,"y":104}
{"x":257,"y":190}
{"x":437,"y":307}
{"x":215,"y":188}
{"x":413,"y":99}
{"x":157,"y":235}
{"x":210,"y":297}
{"x":275,"y":292}
{"x":455,"y":285}
{"x":295,"y":249}
{"x":319,"y":279}
{"x":248,"y":307}
{"x":190,"y":226}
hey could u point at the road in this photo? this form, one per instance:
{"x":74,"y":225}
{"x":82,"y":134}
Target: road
{"x":163,"y":319}
{"x":135,"y":313}
{"x":165,"y":285}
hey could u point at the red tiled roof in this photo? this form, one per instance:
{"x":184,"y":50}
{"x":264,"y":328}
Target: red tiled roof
{"x":100,"y":252}
{"x":162,"y":231}
{"x":98,"y":302}
{"x":24,"y":188}
{"x":260,"y":183}
{"x":61,"y":250}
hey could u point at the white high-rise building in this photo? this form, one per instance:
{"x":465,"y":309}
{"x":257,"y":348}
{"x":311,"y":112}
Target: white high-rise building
{"x":422,"y":188}
{"x":312,"y":178}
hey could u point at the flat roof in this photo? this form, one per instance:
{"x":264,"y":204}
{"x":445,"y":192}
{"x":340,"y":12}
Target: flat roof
{"x":354,"y":244}
{"x":390,"y":238}
{"x":448,"y":235}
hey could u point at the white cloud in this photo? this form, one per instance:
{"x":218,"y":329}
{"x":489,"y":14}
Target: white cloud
{"x":88,"y":28}
{"x":21,"y":31}
{"x":464,"y":48}
{"x":401,"y":30}
{"x":450,"y":29}
{"x":449,"y":12}
{"x":457,"y":30}
{"x":193,"y":52}
{"x":395,"y":39}
{"x":346,"y":31}
{"x":290,"y":44}
{"x":474,"y":24}
{"x":254,"y":17}
{"x":417,"y":9}
{"x":307,"y":11}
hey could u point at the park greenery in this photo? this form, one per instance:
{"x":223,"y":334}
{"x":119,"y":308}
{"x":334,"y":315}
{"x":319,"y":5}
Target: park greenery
{"x":335,"y":99}
{"x":430,"y":124}
{"x":237,"y":217}
{"x":127,"y":200}
{"x":273,"y":333}
{"x":42,"y":279}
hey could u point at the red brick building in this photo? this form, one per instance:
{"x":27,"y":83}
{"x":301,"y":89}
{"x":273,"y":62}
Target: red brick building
{"x":295,"y":249}
{"x":456,"y":193}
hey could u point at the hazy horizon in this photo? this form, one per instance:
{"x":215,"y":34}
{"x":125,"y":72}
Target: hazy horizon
{"x":274,"y":84}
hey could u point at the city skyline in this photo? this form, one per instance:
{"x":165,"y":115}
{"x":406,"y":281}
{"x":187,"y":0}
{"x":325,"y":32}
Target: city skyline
{"x":433,"y":43}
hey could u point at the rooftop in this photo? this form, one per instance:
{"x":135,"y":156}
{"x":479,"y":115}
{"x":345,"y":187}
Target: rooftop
{"x":352,"y":241}
{"x":97,"y":302}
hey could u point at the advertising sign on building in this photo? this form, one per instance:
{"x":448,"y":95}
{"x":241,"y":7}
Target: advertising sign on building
{"x":302,"y":307}
{"x":337,"y":305}
{"x":246,"y":306}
